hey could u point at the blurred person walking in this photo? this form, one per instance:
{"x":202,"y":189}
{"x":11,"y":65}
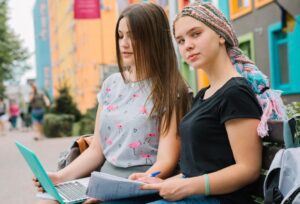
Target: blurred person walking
{"x":2,"y":116}
{"x":38,"y":103}
{"x":13,"y":114}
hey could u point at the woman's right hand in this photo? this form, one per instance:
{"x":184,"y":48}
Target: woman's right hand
{"x":53,"y":177}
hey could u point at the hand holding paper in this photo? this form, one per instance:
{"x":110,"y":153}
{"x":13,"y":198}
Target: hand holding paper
{"x":108,"y":187}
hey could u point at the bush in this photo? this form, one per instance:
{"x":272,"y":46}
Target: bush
{"x":87,"y":126}
{"x":293,"y":111}
{"x":58,"y":125}
{"x":87,"y":122}
{"x":64,"y":104}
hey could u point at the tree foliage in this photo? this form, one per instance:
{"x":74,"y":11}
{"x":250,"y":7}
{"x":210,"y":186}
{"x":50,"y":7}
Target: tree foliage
{"x":13,"y":55}
{"x":64,"y":104}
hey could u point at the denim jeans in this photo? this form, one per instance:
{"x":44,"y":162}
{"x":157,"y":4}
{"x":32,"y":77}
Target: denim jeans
{"x":196,"y":199}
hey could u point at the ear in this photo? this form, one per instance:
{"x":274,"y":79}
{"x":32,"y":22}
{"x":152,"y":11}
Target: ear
{"x":222,"y":40}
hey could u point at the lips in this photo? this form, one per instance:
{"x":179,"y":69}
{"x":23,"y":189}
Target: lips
{"x":126,"y":53}
{"x":193,"y":57}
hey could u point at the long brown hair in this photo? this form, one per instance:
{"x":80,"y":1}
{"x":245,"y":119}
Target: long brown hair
{"x":155,"y":60}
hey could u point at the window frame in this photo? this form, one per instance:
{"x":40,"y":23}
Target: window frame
{"x":261,"y":3}
{"x":293,"y":42}
{"x":248,"y":37}
{"x":236,"y":12}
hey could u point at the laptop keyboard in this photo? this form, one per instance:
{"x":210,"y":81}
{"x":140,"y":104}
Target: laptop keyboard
{"x":72,"y":191}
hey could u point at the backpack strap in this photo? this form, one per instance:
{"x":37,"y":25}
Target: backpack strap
{"x":272,"y":192}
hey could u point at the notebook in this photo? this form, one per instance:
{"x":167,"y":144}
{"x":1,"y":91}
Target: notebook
{"x":68,"y":192}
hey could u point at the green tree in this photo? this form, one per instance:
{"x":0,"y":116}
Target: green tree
{"x":13,"y":55}
{"x":64,"y":104}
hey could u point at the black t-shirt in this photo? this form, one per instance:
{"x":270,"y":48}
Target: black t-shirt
{"x":205,"y":144}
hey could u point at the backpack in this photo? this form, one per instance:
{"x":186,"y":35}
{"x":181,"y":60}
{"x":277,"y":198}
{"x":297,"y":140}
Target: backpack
{"x":282,"y":183}
{"x":77,"y":147}
{"x":38,"y":101}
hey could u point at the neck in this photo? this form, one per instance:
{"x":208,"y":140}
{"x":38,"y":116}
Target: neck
{"x":220,"y":70}
{"x":131,"y":74}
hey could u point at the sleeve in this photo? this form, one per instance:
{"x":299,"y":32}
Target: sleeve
{"x":103,"y":92}
{"x":239,"y":102}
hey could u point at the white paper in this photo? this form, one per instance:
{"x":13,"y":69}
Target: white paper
{"x":45,"y":196}
{"x":108,"y":187}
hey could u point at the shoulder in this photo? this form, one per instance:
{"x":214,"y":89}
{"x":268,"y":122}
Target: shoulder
{"x":113,"y":77}
{"x":200,"y":93}
{"x":237,"y":87}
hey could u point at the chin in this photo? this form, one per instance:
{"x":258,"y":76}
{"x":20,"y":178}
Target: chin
{"x":195,"y":65}
{"x":128,"y":63}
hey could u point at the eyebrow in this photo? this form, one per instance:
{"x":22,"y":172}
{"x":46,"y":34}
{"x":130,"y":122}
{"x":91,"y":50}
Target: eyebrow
{"x":128,"y":32}
{"x":189,"y":31}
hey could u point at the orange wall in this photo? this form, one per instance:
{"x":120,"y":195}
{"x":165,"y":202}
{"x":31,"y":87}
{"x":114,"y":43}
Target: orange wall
{"x":95,"y":46}
{"x":78,"y":48}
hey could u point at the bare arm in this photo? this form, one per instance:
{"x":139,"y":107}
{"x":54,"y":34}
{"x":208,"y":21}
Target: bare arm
{"x":168,"y":151}
{"x":247,"y":149}
{"x":88,"y":160}
{"x":167,"y":155}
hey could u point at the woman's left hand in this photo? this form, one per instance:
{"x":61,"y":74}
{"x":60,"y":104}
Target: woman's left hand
{"x":171,"y":189}
{"x":91,"y":201}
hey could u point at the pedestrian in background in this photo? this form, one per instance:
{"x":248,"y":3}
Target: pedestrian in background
{"x":2,"y":116}
{"x":37,"y":104}
{"x":14,"y":112}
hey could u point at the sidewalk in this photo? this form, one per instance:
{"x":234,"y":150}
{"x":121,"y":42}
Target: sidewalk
{"x":16,"y":185}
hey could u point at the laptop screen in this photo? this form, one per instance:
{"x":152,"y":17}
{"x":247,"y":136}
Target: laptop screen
{"x":39,"y":171}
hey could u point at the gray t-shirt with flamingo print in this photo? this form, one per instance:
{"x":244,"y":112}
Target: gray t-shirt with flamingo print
{"x":129,"y":137}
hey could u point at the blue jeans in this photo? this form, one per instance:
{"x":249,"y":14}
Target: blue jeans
{"x":196,"y":199}
{"x":135,"y":200}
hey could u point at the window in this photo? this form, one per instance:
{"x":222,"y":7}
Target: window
{"x":239,"y":8}
{"x":260,"y":3}
{"x":246,"y":43}
{"x":284,"y":58}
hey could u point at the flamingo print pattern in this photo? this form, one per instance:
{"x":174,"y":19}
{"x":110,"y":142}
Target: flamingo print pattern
{"x":143,"y":110}
{"x":146,"y":157}
{"x":128,"y":137}
{"x":149,"y":136}
{"x":134,"y":145}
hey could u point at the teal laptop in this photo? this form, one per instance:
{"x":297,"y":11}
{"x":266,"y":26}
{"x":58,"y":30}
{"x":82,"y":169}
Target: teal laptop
{"x":67,"y":192}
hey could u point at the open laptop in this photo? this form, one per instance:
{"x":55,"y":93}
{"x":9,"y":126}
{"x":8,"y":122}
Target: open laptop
{"x":67,"y":192}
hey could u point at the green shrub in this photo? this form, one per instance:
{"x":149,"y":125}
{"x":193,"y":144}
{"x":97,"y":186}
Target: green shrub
{"x":87,"y":122}
{"x":64,"y":104}
{"x":58,"y":125}
{"x":293,"y":111}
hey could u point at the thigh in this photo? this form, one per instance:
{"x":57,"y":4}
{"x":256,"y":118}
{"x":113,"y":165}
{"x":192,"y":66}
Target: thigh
{"x":135,"y":200}
{"x":46,"y":201}
{"x":197,"y":199}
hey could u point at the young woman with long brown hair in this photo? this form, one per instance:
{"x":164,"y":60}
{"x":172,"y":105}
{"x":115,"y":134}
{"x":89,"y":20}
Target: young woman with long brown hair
{"x":140,"y":107}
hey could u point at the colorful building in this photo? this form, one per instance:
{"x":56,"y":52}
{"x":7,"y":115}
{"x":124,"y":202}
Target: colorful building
{"x":81,"y":50}
{"x":262,"y":36}
{"x":42,"y":47}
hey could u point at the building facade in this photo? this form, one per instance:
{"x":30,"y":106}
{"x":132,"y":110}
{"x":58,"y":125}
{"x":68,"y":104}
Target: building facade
{"x":259,"y":25}
{"x":42,"y":47}
{"x":83,"y":51}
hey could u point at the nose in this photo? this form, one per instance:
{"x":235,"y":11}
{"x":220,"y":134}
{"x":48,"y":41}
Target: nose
{"x":189,"y":45}
{"x":124,"y":42}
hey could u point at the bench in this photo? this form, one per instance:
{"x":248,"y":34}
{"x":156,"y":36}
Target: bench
{"x":271,"y":145}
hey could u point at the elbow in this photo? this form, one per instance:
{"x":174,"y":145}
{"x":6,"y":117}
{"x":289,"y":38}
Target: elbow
{"x":254,"y":173}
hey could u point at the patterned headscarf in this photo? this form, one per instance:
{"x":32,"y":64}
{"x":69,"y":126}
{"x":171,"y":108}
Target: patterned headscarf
{"x":270,"y":100}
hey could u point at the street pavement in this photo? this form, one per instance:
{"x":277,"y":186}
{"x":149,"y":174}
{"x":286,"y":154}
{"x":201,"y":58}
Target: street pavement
{"x":16,"y":186}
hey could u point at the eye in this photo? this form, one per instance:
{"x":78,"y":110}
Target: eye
{"x":120,"y":36}
{"x":196,"y":34}
{"x":180,"y":41}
